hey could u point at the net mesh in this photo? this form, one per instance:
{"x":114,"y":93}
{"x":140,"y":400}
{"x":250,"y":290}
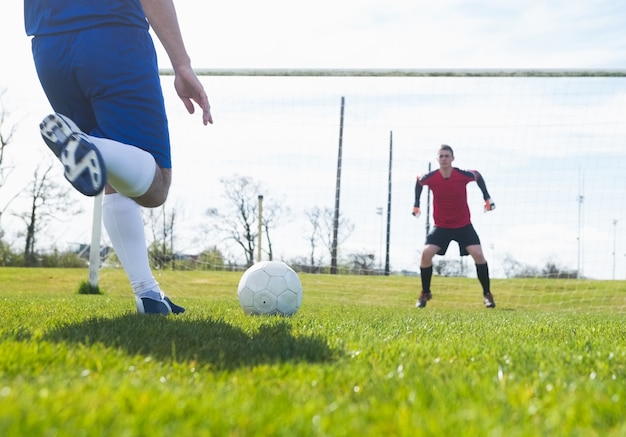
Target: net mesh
{"x":550,"y":145}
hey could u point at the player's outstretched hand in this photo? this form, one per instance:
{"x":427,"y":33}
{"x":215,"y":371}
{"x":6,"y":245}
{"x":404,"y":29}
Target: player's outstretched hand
{"x":489,"y":205}
{"x":416,"y":212}
{"x":190,"y":90}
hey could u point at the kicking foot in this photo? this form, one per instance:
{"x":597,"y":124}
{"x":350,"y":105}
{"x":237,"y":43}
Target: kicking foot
{"x":82,"y":162}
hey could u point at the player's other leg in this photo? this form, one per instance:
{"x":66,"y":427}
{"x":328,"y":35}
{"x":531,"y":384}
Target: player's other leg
{"x":482,"y":272}
{"x":426,"y":274}
{"x":123,"y":221}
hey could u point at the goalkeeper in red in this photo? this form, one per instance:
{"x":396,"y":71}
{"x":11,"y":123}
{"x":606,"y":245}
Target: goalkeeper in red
{"x":452,"y":221}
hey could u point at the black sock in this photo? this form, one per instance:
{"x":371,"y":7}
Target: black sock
{"x":426,"y":275}
{"x":482,"y":270}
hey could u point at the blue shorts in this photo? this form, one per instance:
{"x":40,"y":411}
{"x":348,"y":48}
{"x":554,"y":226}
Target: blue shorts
{"x":441,"y":237}
{"x":107,"y":80}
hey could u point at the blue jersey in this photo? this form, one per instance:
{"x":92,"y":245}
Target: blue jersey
{"x":46,"y":17}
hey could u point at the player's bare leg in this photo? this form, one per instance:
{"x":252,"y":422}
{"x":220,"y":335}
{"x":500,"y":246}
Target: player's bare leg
{"x":158,"y":191}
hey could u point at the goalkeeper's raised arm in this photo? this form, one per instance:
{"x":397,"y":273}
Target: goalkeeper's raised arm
{"x":416,"y":203}
{"x":480,"y":181}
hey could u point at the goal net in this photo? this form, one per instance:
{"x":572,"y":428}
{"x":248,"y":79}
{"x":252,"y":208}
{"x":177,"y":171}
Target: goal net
{"x":338,"y":152}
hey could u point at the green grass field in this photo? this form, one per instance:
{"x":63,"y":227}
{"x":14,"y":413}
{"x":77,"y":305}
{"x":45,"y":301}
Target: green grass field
{"x":357,"y":359}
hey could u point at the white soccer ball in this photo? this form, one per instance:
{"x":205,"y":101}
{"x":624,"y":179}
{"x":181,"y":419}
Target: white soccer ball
{"x":270,"y":287}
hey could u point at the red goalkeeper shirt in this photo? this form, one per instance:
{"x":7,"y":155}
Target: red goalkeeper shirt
{"x":450,"y":209}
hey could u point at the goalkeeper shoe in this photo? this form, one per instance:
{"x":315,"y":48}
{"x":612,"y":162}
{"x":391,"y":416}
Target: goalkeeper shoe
{"x":489,"y":302}
{"x":82,"y":162}
{"x":164,"y":306}
{"x":424,"y":297}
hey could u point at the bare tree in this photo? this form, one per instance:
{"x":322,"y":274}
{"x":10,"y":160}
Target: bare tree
{"x":161,"y":221}
{"x":362,"y":263}
{"x":555,"y":271}
{"x":345,"y":228}
{"x":315,"y":216}
{"x":47,"y":199}
{"x":321,"y":230}
{"x":274,"y":213}
{"x":6,"y":136}
{"x":511,"y":266}
{"x":239,"y":221}
{"x":449,"y":267}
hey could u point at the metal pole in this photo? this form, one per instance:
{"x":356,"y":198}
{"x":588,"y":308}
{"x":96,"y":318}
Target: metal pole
{"x":580,"y":199}
{"x":428,"y":207}
{"x":260,"y":230}
{"x":333,"y":254}
{"x":614,"y":245}
{"x":379,"y":211}
{"x":389,"y":204}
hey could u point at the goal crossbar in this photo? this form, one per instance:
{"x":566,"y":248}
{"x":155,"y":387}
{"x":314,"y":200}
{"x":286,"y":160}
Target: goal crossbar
{"x":391,"y":72}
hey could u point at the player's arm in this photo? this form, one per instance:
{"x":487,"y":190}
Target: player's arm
{"x":418,"y":194}
{"x":161,"y":14}
{"x":480,"y":181}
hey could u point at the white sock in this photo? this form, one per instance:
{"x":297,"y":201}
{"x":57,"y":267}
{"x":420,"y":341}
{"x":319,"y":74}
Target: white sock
{"x":130,"y":170}
{"x":124,"y":225}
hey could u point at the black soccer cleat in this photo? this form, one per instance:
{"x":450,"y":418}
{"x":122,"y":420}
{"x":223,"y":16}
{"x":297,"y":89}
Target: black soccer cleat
{"x":424,"y":297}
{"x":164,"y":306}
{"x":489,"y":302}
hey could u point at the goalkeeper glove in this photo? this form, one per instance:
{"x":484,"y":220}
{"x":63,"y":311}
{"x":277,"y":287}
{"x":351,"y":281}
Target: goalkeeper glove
{"x":489,"y":205}
{"x":416,"y":212}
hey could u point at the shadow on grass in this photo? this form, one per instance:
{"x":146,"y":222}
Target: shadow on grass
{"x":207,"y":342}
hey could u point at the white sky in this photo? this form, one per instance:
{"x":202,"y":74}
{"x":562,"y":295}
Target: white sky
{"x":360,"y":34}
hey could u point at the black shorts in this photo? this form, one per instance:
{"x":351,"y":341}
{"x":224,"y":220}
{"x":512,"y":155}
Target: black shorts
{"x":441,"y":237}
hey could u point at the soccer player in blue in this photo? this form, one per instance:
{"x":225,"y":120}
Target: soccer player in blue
{"x":452,"y":221}
{"x":97,"y":65}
